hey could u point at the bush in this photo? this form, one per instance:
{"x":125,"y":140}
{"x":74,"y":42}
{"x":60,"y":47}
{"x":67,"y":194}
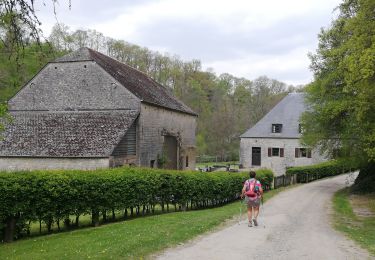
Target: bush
{"x":53,"y":196}
{"x":318,"y":171}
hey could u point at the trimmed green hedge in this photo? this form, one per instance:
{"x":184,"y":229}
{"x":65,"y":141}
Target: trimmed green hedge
{"x":53,"y":196}
{"x":314,"y":172}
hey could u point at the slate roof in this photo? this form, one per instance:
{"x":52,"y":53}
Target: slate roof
{"x":65,"y":134}
{"x":137,"y":82}
{"x":287,"y":112}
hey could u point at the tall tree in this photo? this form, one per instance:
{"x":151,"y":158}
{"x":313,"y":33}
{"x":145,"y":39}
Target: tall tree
{"x":342,"y":95}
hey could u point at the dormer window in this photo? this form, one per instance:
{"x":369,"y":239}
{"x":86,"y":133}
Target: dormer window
{"x":276,"y":128}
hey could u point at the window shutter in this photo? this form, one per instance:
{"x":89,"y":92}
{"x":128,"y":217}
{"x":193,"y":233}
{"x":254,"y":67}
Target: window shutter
{"x":269,"y":152}
{"x":308,"y":153}
{"x":296,"y":153}
{"x":281,"y":152}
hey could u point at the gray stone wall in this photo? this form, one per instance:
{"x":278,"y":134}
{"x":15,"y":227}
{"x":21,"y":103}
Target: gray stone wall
{"x":277,"y":164}
{"x":73,"y":86}
{"x":33,"y":163}
{"x":153,"y":123}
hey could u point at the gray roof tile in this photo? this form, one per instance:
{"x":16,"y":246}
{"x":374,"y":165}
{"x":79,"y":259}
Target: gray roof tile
{"x":287,"y":112}
{"x":145,"y":88}
{"x":65,"y":134}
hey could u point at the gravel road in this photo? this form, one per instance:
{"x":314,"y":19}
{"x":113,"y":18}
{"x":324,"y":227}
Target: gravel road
{"x":293,"y":225}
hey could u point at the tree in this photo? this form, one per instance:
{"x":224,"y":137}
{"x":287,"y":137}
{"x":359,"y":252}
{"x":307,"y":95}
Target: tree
{"x":341,"y":98}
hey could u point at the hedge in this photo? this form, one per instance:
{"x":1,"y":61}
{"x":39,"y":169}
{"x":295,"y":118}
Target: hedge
{"x":53,"y":196}
{"x":314,"y":172}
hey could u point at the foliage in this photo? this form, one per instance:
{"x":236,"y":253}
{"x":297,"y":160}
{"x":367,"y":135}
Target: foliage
{"x":341,"y":98}
{"x":52,"y":196}
{"x":19,"y":24}
{"x":132,"y":239}
{"x":318,"y":171}
{"x":360,"y":229}
{"x":14,"y":74}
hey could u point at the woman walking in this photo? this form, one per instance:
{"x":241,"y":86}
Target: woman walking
{"x":252,"y":191}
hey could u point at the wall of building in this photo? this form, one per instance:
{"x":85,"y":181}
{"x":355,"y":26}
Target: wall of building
{"x":13,"y":164}
{"x":277,"y":164}
{"x":154,"y":123}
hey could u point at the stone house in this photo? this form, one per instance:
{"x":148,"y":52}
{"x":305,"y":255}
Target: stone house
{"x":86,"y":110}
{"x":274,"y":142}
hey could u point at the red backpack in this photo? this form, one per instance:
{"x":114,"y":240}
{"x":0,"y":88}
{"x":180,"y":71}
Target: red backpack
{"x":251,"y":189}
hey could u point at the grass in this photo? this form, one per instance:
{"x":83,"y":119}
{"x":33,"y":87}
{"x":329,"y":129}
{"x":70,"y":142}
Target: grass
{"x":358,"y":227}
{"x":208,"y":164}
{"x":133,"y":239}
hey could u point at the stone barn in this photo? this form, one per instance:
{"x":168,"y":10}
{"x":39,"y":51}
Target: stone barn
{"x":274,"y":142}
{"x":86,"y":110}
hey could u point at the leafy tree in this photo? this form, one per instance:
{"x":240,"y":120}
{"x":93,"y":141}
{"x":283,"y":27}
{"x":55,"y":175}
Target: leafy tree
{"x":341,"y":97}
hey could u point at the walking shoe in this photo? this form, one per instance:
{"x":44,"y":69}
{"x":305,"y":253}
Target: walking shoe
{"x":255,"y":222}
{"x":250,"y":224}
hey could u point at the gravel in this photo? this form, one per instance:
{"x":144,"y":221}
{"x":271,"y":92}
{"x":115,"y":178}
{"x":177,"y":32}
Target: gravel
{"x":293,"y":225}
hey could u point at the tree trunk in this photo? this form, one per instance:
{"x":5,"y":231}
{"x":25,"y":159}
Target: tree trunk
{"x":113,"y":215}
{"x":67,"y":223}
{"x":104,"y":216}
{"x":95,"y":218}
{"x":77,"y":221}
{"x":9,"y":229}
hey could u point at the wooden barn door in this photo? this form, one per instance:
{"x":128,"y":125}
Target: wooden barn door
{"x":170,"y":150}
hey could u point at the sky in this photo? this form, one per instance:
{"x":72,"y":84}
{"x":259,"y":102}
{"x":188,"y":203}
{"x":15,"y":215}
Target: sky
{"x":245,"y":38}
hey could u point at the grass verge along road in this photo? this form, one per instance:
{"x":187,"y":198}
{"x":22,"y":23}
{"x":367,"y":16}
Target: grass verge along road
{"x":135,"y":238}
{"x":355,"y":216}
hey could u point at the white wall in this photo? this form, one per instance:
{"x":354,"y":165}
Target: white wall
{"x":277,"y":164}
{"x":13,"y":164}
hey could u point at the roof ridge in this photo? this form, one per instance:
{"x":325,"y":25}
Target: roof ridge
{"x":137,"y":82}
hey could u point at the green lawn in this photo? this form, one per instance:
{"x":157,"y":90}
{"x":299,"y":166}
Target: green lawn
{"x":234,"y":164}
{"x":136,"y":238}
{"x":359,"y":228}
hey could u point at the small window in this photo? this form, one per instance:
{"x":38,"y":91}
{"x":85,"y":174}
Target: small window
{"x":275,"y":152}
{"x":303,"y":153}
{"x":276,"y":128}
{"x":84,"y":66}
{"x":187,"y":161}
{"x":55,"y":68}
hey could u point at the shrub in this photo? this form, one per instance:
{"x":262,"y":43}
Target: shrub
{"x":53,"y":196}
{"x":318,"y":171}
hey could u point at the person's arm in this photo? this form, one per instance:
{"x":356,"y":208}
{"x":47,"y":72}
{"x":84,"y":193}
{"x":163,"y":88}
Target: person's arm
{"x":243,"y":190}
{"x":260,"y":188}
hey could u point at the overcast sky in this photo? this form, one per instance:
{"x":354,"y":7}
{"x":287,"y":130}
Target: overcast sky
{"x":246,"y":38}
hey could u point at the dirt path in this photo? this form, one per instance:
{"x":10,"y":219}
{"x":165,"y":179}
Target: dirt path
{"x":292,"y":225}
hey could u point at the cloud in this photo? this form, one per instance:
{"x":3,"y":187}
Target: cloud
{"x":288,"y":67}
{"x":243,"y":37}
